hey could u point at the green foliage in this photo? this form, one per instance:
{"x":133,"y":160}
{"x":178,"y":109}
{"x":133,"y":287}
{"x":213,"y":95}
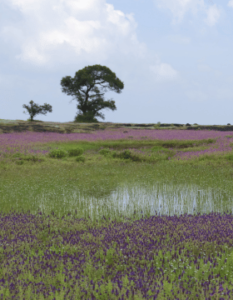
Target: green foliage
{"x":125,"y":154}
{"x":89,"y":106}
{"x":104,"y":152}
{"x":75,"y":152}
{"x":57,"y":153}
{"x":57,"y":179}
{"x":158,"y":148}
{"x":20,"y":158}
{"x":110,"y":256}
{"x":85,"y":118}
{"x":154,"y":154}
{"x":17,"y":155}
{"x":179,"y":144}
{"x":208,"y":157}
{"x":229,"y":157}
{"x":80,"y":158}
{"x":31,"y":157}
{"x":114,"y":154}
{"x":34,"y":109}
{"x":129,"y":155}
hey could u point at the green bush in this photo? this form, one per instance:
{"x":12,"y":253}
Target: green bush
{"x":125,"y":154}
{"x":158,"y":148}
{"x":19,"y":162}
{"x":80,"y":158}
{"x":30,"y":157}
{"x":86,"y":118}
{"x":57,"y":153}
{"x":114,"y":154}
{"x":75,"y":152}
{"x":229,"y":157}
{"x":17,"y":155}
{"x":136,"y":157}
{"x":104,"y":152}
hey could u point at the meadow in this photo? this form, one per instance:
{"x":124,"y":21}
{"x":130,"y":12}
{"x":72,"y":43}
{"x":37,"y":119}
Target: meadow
{"x":66,"y":233}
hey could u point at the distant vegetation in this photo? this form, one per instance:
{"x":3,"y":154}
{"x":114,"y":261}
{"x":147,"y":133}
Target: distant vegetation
{"x":89,"y":106}
{"x":35,"y":109}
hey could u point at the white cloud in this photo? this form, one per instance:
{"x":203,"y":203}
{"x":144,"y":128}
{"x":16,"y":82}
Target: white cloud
{"x":230,"y":3}
{"x":50,"y":28}
{"x":179,"y":8}
{"x":213,"y":15}
{"x":164,"y":72}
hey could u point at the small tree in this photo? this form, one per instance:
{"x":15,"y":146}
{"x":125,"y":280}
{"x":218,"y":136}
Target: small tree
{"x":35,"y":109}
{"x":89,"y":106}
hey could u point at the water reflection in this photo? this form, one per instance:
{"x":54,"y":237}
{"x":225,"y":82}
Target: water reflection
{"x":146,"y":200}
{"x":171,"y":199}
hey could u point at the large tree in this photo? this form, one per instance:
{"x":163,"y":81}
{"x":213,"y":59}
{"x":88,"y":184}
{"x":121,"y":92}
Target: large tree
{"x":89,"y":106}
{"x":35,"y":109}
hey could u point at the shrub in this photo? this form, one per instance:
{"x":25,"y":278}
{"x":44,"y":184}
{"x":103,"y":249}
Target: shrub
{"x":125,"y":154}
{"x":30,"y":157}
{"x":158,"y":148}
{"x":80,"y":158}
{"x":229,"y":157}
{"x":75,"y":152}
{"x":136,"y":157}
{"x":114,"y":154}
{"x":57,"y":153}
{"x":19,"y":162}
{"x":17,"y":155}
{"x":87,"y":118}
{"x":210,"y":141}
{"x":104,"y":152}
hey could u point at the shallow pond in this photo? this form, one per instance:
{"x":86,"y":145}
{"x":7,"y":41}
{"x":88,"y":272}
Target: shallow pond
{"x":161,"y":198}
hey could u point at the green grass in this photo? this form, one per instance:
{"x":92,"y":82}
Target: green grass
{"x":64,"y":189}
{"x":106,"y":166}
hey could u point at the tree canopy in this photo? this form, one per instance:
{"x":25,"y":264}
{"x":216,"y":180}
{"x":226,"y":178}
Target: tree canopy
{"x":34,"y":109}
{"x":90,"y":105}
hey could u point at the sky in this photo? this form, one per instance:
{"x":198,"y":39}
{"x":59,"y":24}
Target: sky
{"x":173,"y":56}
